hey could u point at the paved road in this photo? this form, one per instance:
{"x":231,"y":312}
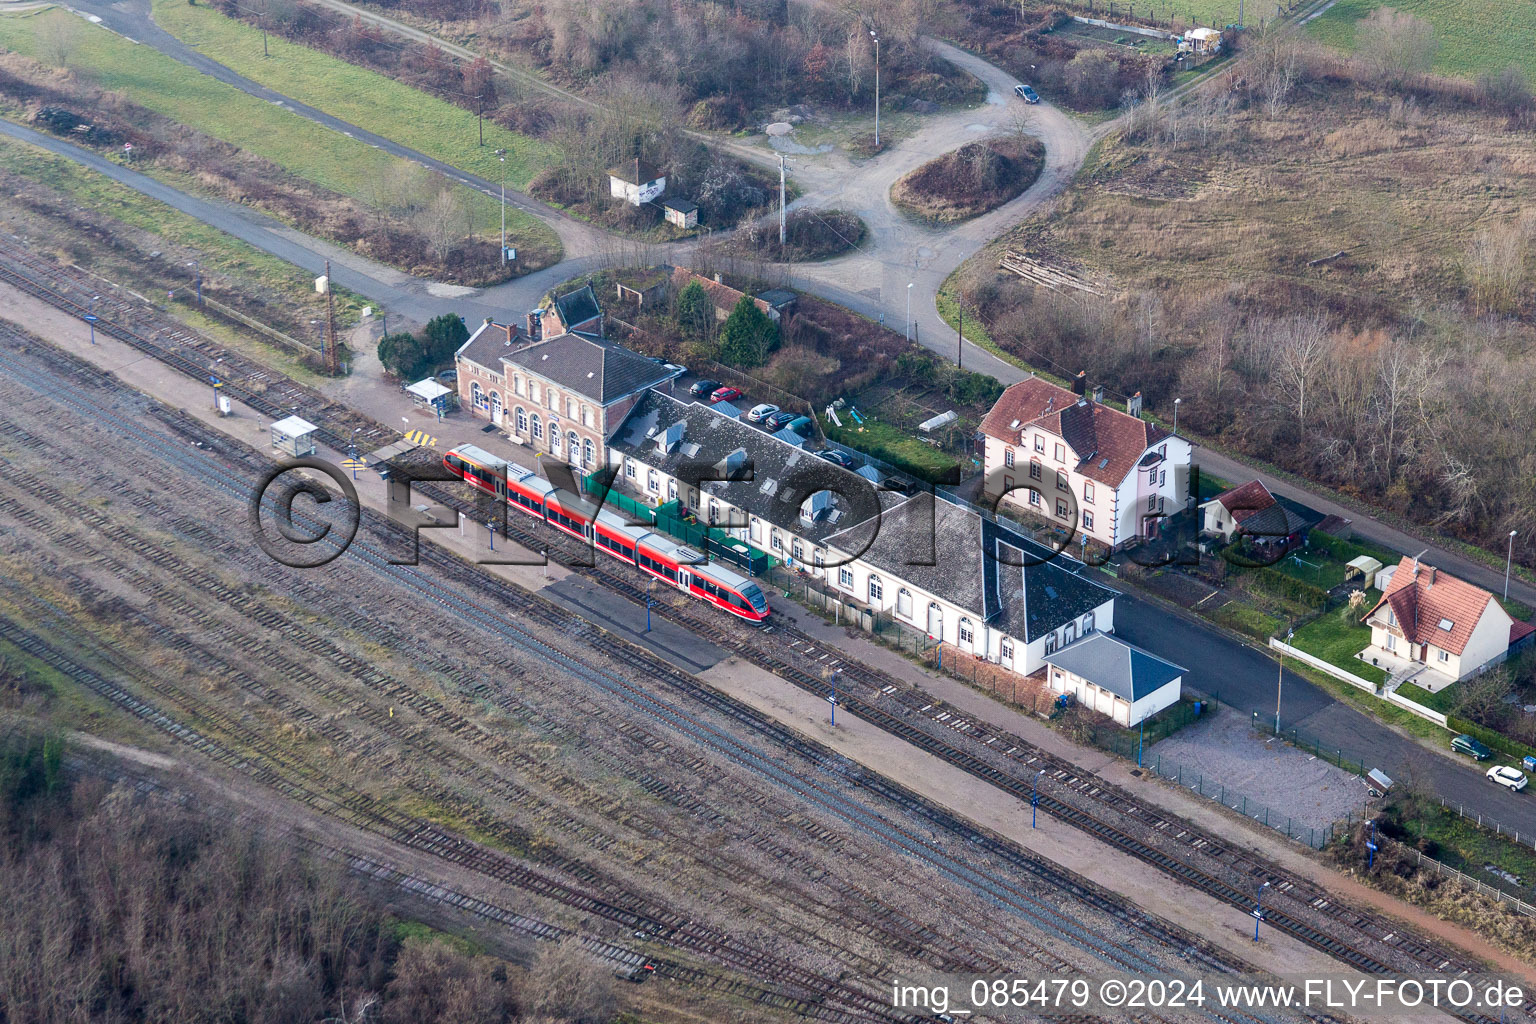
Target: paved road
{"x":1245,"y":677}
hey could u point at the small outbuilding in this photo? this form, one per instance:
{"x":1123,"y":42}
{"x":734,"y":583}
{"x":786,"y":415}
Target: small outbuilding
{"x":636,"y":183}
{"x":1201,"y":41}
{"x":1115,"y":678}
{"x":681,"y":213}
{"x":294,"y":436}
{"x":431,"y":395}
{"x":1366,"y":568}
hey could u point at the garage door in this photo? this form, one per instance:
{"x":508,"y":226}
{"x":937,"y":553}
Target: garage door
{"x":1106,"y":703}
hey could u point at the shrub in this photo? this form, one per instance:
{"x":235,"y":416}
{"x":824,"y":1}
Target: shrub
{"x":1274,"y":582}
{"x":748,"y":335}
{"x":1492,"y":738}
{"x":404,"y":355}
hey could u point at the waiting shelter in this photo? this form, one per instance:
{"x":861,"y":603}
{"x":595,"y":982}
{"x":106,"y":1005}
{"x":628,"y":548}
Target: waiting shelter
{"x":294,"y":436}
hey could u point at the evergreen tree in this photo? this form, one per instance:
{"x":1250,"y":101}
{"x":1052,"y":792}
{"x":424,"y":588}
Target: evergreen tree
{"x":748,"y":335}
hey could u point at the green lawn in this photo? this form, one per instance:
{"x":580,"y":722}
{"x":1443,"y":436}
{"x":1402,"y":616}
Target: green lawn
{"x":1460,"y":843}
{"x":1337,"y":640}
{"x":1475,"y":35}
{"x":1443,"y":701}
{"x":296,"y":144}
{"x":892,"y":445}
{"x":364,"y":98}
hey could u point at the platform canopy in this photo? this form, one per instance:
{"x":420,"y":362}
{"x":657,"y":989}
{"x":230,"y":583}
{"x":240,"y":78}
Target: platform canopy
{"x":293,"y":426}
{"x":428,"y":390}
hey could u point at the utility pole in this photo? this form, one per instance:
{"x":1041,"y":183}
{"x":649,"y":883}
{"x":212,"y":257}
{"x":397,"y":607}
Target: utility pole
{"x":960,"y":338}
{"x":1280,"y":680}
{"x":877,"y":86}
{"x":501,"y":155}
{"x":781,"y":206}
{"x":264,"y":30}
{"x":907,"y":330}
{"x":332,"y":360}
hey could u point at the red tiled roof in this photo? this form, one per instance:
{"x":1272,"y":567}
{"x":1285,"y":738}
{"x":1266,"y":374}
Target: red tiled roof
{"x":1107,"y":442}
{"x":1422,"y":601}
{"x":1247,"y":500}
{"x":1519,"y":631}
{"x":722,"y":295}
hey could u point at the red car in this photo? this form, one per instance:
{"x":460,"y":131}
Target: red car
{"x":724,"y":394}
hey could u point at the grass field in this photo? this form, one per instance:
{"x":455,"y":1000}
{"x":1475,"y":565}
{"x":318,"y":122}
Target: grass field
{"x":1475,"y":35}
{"x":300,"y":146}
{"x":364,"y":98}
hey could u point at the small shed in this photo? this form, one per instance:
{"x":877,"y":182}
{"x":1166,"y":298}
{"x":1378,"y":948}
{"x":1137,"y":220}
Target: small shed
{"x":681,"y":213}
{"x":1366,"y":568}
{"x":1201,"y":41}
{"x":294,"y":436}
{"x":430,"y":394}
{"x":636,"y":183}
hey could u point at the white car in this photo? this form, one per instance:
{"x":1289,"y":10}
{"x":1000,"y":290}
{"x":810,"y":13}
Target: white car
{"x":1511,"y":778}
{"x":758,"y":413}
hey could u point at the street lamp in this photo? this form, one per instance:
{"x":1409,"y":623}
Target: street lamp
{"x":1508,"y":560}
{"x":1176,"y":402}
{"x":1280,"y":679}
{"x":1034,"y":796}
{"x":877,"y":86}
{"x":90,"y":319}
{"x":1258,"y":911}
{"x":908,"y":331}
{"x":501,"y":154}
{"x":197,"y":269}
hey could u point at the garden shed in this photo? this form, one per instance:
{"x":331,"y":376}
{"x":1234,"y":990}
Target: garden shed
{"x":1366,"y":568}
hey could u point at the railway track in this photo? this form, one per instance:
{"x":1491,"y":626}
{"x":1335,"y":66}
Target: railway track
{"x":914,"y":845}
{"x":1185,"y":853}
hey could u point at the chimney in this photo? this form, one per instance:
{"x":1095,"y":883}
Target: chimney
{"x":1098,"y":394}
{"x":1133,"y":405}
{"x":1080,"y":382}
{"x":638,"y":180}
{"x":1431,"y":578}
{"x":717,"y":278}
{"x":511,"y":335}
{"x":535,"y":325}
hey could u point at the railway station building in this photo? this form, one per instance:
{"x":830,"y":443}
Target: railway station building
{"x":927,"y":563}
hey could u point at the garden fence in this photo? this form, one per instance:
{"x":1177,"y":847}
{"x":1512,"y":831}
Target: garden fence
{"x":1430,"y":864}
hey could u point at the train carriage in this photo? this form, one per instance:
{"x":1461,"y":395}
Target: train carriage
{"x":653,"y":553}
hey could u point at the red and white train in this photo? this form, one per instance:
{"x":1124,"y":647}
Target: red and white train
{"x":652,"y":553}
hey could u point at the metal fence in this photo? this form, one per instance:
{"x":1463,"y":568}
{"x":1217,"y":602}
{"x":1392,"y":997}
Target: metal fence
{"x":1445,"y":870}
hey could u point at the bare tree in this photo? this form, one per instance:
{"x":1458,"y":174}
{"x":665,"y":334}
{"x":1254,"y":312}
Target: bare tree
{"x":443,"y":222}
{"x":1398,"y":45}
{"x":1298,"y":346}
{"x":568,"y":982}
{"x":58,"y":37}
{"x":1496,"y":266}
{"x":1274,"y":61}
{"x":1482,"y":697}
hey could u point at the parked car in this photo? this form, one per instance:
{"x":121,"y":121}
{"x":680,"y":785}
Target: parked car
{"x":1510,"y":778}
{"x":780,"y":419}
{"x":802,"y":425}
{"x":725,"y":394}
{"x":1465,"y":744}
{"x":701,"y":388}
{"x":836,"y":457}
{"x":1026,"y":94}
{"x":758,"y":413}
{"x":448,"y":377}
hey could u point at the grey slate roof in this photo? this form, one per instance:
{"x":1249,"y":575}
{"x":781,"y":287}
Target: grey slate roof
{"x":782,"y":476}
{"x":1009,"y":581}
{"x":1125,"y":670}
{"x":578,"y":306}
{"x":596,"y":368}
{"x":486,"y":347}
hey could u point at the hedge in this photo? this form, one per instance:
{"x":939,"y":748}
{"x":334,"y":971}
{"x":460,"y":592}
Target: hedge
{"x":1278,"y":583}
{"x":1493,"y":739}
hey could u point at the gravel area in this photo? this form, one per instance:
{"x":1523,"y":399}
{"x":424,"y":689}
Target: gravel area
{"x":1227,"y":760}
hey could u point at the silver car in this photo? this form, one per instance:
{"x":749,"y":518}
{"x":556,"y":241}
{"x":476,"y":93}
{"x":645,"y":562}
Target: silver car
{"x":758,"y":413}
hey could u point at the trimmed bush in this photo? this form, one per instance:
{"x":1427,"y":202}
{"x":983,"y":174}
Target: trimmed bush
{"x":1272,"y":581}
{"x":1493,"y":739}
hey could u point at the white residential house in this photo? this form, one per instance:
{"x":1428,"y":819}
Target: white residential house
{"x":1073,"y":460}
{"x":1447,"y":625}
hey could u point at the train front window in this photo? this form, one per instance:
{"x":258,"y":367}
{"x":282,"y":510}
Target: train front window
{"x":755,"y":595}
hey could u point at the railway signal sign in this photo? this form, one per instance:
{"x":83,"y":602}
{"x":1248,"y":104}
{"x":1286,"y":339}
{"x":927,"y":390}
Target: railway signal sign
{"x":90,"y":318}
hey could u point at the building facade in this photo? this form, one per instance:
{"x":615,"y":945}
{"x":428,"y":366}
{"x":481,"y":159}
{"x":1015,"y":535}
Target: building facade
{"x":1445,"y":624}
{"x":1072,"y":460}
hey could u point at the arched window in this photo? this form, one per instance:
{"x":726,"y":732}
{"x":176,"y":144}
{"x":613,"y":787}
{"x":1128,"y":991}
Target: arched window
{"x":586,"y":415}
{"x":554,"y":400}
{"x":1087,"y":623}
{"x":904,"y":603}
{"x":876,"y":590}
{"x":517,"y":383}
{"x":572,"y":447}
{"x":570,"y":408}
{"x":496,"y":406}
{"x":588,"y":453}
{"x":522,"y":420}
{"x":1005,"y":652}
{"x":554,"y":438}
{"x":935,"y":620}
{"x":1050,"y":643}
{"x":967,"y":634}
{"x":538,"y":427}
{"x":476,"y":395}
